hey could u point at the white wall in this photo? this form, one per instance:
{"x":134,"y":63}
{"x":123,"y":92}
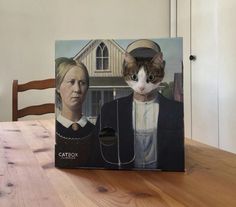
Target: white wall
{"x":227,"y":74}
{"x":204,"y":77}
{"x":28,"y":30}
{"x":209,"y":33}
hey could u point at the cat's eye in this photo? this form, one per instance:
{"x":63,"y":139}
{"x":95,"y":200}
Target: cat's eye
{"x":134,"y":77}
{"x":151,"y":77}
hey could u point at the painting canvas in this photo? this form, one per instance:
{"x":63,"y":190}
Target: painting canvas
{"x":119,"y":104}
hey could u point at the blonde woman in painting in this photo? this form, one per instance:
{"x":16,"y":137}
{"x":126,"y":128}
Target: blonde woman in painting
{"x":73,"y":129}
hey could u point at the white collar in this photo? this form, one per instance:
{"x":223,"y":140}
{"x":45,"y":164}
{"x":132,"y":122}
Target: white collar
{"x":67,"y":123}
{"x":144,"y":102}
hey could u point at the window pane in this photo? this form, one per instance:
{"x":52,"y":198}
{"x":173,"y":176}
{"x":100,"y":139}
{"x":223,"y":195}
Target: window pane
{"x":105,"y":52}
{"x":99,"y":64}
{"x":99,"y":52}
{"x":96,"y":99}
{"x":105,"y":63}
{"x":102,"y":45}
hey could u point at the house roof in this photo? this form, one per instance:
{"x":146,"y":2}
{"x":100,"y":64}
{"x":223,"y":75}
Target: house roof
{"x":84,"y":49}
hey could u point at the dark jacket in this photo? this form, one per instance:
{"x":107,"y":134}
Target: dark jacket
{"x":115,"y":121}
{"x":70,"y":142}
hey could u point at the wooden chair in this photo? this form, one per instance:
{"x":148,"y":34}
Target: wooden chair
{"x":35,"y":109}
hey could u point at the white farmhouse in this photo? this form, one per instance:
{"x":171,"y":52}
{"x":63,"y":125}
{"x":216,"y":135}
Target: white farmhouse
{"x":103,"y":59}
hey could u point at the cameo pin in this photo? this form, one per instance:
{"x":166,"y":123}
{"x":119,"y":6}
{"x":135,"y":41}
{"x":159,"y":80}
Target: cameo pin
{"x":75,"y":126}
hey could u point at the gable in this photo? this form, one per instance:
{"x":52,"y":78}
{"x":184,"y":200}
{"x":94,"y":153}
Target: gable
{"x":88,"y":56}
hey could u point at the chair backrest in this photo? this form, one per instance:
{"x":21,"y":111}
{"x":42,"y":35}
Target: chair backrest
{"x":35,"y":109}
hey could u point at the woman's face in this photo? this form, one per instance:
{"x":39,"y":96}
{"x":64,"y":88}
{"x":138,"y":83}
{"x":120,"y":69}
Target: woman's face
{"x":73,"y":89}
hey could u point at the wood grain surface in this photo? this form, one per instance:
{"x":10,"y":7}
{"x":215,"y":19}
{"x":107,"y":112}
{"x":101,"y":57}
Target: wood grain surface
{"x":28,"y":176}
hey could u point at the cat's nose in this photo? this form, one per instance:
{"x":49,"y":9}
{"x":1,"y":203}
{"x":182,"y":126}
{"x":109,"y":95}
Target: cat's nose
{"x":141,"y":88}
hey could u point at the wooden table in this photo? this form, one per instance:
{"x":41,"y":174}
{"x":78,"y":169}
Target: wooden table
{"x":28,"y":176}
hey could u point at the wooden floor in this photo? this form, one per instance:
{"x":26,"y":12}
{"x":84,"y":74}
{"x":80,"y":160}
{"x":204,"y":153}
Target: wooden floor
{"x":28,"y":176}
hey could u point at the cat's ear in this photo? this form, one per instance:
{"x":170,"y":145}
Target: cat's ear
{"x":158,"y":59}
{"x":128,"y":58}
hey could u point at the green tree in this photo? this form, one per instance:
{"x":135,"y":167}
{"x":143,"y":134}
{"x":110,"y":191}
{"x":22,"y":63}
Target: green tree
{"x":167,"y":89}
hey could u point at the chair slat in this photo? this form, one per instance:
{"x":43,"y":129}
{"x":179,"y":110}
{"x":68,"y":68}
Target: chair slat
{"x":35,"y":109}
{"x":38,"y":85}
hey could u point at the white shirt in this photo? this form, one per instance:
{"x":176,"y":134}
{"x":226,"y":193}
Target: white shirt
{"x":145,"y":118}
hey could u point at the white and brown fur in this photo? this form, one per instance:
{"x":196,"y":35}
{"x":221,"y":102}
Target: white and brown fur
{"x":143,"y":75}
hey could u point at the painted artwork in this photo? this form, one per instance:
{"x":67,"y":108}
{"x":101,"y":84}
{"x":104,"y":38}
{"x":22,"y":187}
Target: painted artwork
{"x":119,"y":104}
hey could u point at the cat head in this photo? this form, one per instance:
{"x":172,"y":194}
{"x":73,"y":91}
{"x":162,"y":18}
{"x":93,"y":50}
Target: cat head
{"x":143,"y":69}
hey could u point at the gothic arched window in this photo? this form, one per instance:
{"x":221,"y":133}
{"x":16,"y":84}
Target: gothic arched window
{"x":102,"y":57}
